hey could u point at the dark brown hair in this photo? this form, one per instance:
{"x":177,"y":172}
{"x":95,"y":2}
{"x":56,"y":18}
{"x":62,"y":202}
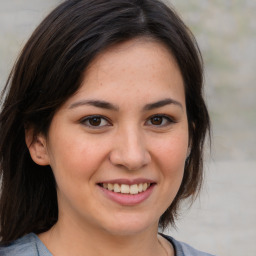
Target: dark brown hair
{"x":50,"y":69}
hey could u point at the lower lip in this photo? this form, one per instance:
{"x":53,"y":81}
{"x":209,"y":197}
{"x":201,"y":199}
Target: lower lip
{"x":128,"y":199}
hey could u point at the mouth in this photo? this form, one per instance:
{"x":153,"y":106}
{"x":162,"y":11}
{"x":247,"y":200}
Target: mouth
{"x":127,"y":192}
{"x":132,"y":189}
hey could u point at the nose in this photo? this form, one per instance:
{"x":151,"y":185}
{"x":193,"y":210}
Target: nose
{"x":129,"y":150}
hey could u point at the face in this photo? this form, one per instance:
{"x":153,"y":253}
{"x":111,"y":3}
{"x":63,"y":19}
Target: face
{"x":117,"y":147}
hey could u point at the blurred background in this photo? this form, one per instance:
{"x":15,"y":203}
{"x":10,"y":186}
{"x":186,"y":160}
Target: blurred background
{"x":223,"y":219}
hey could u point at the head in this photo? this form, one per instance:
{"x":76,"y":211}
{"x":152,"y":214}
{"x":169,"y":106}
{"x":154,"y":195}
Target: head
{"x":52,"y":68}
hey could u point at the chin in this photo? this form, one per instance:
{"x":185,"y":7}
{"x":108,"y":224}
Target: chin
{"x":131,"y":225}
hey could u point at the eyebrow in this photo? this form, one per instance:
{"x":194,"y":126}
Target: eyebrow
{"x":110,"y":106}
{"x":95,"y":103}
{"x":162,"y":103}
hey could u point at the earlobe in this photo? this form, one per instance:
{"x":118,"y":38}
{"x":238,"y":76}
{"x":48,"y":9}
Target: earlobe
{"x":37,"y":147}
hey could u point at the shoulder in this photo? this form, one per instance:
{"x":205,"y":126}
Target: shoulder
{"x":29,"y":245}
{"x":183,"y":249}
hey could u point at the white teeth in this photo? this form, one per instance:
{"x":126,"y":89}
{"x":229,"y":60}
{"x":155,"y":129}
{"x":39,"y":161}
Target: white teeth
{"x":145,"y":186}
{"x":134,"y":189}
{"x":117,"y":188}
{"x":126,"y":189}
{"x":110,"y":186}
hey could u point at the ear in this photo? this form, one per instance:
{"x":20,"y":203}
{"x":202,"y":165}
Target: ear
{"x":37,"y":147}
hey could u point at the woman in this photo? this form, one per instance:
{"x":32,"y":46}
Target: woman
{"x":102,"y":132}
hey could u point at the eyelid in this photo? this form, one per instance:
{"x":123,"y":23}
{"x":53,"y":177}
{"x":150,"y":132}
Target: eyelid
{"x":87,"y":118}
{"x":169,"y":118}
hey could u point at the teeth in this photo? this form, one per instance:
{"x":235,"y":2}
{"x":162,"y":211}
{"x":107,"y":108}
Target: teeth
{"x":126,"y":189}
{"x":117,"y":188}
{"x":144,"y":187}
{"x":134,"y":189}
{"x":110,"y":186}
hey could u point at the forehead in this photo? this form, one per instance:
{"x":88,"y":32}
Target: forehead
{"x":134,"y":52}
{"x":141,"y":66}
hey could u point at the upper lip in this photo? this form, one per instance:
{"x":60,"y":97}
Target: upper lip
{"x":128,"y":181}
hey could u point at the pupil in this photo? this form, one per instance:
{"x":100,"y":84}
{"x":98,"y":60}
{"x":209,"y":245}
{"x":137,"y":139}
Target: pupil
{"x":157,"y":120}
{"x":95,"y":121}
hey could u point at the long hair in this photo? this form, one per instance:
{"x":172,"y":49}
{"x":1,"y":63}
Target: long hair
{"x":50,"y":69}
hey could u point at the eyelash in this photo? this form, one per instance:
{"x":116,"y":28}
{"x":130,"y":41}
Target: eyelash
{"x":86,"y":121}
{"x":168,"y":120}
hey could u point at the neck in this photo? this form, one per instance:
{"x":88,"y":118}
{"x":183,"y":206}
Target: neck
{"x":73,"y":239}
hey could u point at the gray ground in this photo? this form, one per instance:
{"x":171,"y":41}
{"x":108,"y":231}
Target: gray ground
{"x":224,"y":220}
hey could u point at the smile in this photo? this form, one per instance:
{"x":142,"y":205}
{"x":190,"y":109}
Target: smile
{"x":127,"y":192}
{"x":125,"y":188}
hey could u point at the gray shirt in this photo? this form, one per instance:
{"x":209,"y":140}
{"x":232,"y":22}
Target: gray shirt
{"x":31,"y":245}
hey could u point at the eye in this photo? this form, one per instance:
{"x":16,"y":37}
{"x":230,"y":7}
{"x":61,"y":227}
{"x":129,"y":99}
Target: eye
{"x":95,"y":121}
{"x":160,"y":120}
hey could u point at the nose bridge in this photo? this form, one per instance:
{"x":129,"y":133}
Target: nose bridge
{"x":130,"y":150}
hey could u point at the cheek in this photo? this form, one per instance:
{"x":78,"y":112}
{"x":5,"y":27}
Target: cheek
{"x":170,"y":159}
{"x":75,"y":158}
{"x":171,"y":152}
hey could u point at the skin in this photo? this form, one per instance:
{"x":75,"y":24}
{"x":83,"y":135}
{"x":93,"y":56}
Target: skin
{"x":127,"y":142}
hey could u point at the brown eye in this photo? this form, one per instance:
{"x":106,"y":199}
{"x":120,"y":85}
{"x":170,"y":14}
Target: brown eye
{"x":160,"y":121}
{"x":95,"y":121}
{"x":157,"y":120}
